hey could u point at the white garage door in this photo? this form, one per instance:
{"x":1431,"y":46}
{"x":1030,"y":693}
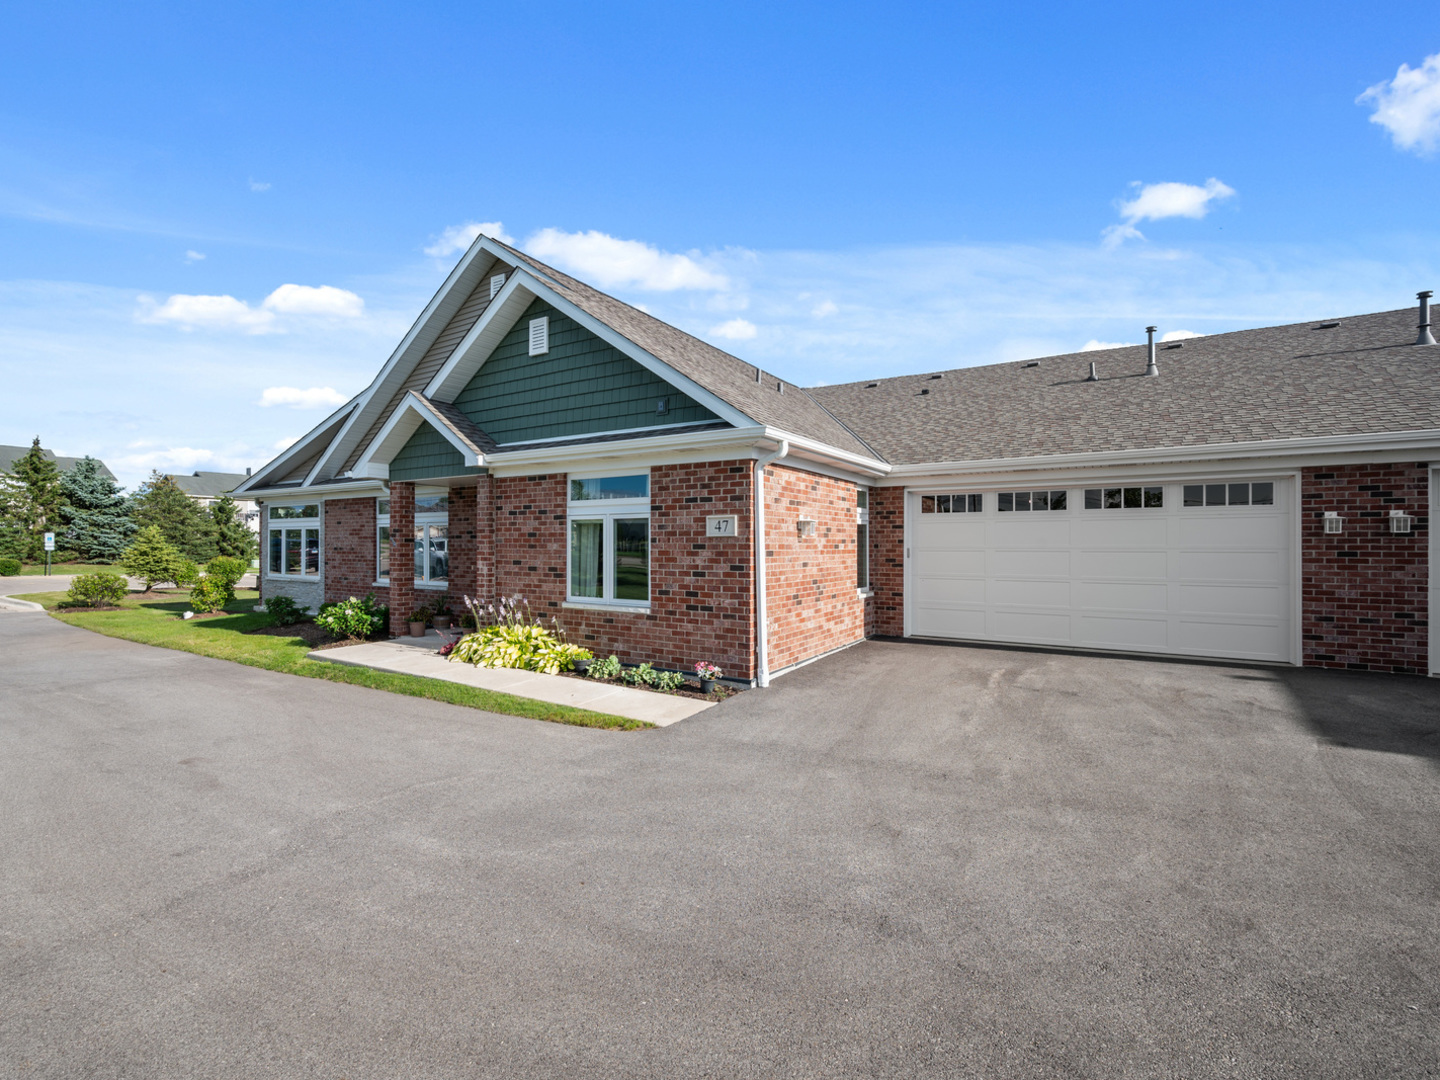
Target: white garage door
{"x":1199,"y":569}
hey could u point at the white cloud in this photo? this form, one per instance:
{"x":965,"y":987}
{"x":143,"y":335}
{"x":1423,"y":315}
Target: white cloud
{"x":315,"y":300}
{"x":313,"y":398}
{"x":285,"y":444}
{"x":1095,"y":346}
{"x":459,"y":237}
{"x":170,"y":459}
{"x":610,"y":262}
{"x":1408,"y":106}
{"x":824,"y":308}
{"x":259,"y":185}
{"x":1179,"y":335}
{"x":228,"y":313}
{"x":194,"y":256}
{"x":1156,"y":202}
{"x":735,"y":330}
{"x":212,"y":312}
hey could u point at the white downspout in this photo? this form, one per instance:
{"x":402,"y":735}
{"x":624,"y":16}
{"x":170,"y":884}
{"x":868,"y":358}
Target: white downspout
{"x":762,"y":633}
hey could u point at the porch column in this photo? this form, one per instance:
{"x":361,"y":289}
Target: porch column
{"x":402,"y":556}
{"x":462,"y":546}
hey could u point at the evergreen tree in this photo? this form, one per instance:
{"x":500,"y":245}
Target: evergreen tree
{"x":38,"y":509}
{"x":16,"y":515}
{"x":98,"y":514}
{"x":151,"y":558}
{"x":232,"y":536}
{"x":181,"y":520}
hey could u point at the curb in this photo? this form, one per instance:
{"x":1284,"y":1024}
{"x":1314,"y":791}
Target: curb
{"x":10,"y":603}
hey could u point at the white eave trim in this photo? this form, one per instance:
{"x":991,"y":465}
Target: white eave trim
{"x":403,"y":423}
{"x":463,"y":272}
{"x":745,"y":438}
{"x":461,"y":368}
{"x":1406,"y":443}
{"x":294,"y":450}
{"x":321,"y":492}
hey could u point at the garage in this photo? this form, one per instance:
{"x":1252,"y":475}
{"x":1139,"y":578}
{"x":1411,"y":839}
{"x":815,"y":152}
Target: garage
{"x":1201,"y":567}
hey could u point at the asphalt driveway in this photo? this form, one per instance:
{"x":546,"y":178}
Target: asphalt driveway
{"x":906,"y":860}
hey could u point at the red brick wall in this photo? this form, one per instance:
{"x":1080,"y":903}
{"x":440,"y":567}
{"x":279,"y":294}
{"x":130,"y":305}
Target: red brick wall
{"x":810,"y":581}
{"x":402,"y":534}
{"x":885,"y":610}
{"x":1365,"y":592}
{"x":465,"y":553}
{"x":349,"y":564}
{"x":700,"y":588}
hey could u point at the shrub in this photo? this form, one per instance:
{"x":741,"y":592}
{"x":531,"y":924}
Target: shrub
{"x":529,"y":648}
{"x":643,"y":675}
{"x":226,"y":569}
{"x":97,"y":590}
{"x":605,"y":669}
{"x":285,"y":611}
{"x":668,"y":681}
{"x":150,"y":558}
{"x":353,"y":618}
{"x":10,"y":567}
{"x":209,"y":595}
{"x":184,"y":573}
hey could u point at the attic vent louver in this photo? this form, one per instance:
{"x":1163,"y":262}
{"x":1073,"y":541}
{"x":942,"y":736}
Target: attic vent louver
{"x":871,"y":385}
{"x":937,"y":376}
{"x":496,"y":281}
{"x":1328,"y":325}
{"x":1175,"y":345}
{"x":662,"y":406}
{"x":1032,"y":363}
{"x":540,"y":336}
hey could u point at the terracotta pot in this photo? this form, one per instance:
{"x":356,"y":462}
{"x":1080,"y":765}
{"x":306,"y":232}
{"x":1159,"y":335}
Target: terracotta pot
{"x":417,"y":629}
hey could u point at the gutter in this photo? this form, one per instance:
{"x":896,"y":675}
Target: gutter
{"x":762,"y":635}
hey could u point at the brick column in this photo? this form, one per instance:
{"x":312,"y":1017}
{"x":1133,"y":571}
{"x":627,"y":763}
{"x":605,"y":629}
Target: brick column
{"x":462,"y":545}
{"x":402,"y":556}
{"x":484,"y":538}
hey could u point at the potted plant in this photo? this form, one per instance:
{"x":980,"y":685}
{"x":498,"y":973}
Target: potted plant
{"x":418,"y":618}
{"x":441,"y":618}
{"x":707,"y":673}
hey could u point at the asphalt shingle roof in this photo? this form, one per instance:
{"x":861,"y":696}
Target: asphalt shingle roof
{"x":9,"y":454}
{"x":208,"y":485}
{"x":1363,"y":376}
{"x":728,"y":377}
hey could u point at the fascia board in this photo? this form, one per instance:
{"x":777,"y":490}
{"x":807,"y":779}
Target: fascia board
{"x":474,"y":349}
{"x":322,"y":492}
{"x":416,"y":340}
{"x":294,"y":449}
{"x":460,"y":368}
{"x":665,"y":449}
{"x":1281,"y":452}
{"x":403,"y":423}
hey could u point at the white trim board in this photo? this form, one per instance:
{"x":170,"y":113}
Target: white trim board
{"x":403,"y":423}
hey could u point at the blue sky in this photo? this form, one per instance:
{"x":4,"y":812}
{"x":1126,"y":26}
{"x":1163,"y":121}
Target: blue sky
{"x":212,"y":224}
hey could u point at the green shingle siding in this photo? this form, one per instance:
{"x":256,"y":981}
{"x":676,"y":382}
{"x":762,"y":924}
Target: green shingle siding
{"x":428,"y":453}
{"x":583,"y":385}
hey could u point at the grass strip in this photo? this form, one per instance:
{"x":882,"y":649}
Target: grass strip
{"x":155,"y":620}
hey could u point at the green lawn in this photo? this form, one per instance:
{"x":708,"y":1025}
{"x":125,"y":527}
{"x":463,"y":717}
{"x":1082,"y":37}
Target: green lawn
{"x":155,"y":620}
{"x":37,"y":569}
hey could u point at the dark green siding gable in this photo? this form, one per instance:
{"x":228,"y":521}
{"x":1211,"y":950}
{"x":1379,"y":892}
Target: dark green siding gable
{"x":428,"y":453}
{"x":583,"y":385}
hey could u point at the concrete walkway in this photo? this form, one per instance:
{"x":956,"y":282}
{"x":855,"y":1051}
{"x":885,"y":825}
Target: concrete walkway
{"x":417,"y":656}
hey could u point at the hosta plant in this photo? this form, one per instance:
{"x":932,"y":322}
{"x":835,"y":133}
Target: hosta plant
{"x":529,"y":648}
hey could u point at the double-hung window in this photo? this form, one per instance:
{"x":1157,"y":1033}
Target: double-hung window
{"x":609,"y":522}
{"x":431,"y":539}
{"x":294,"y":539}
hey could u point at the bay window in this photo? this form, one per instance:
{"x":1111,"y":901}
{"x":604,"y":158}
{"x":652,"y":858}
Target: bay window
{"x":609,"y":525}
{"x":293,"y":540}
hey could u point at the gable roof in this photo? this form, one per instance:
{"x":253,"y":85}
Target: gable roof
{"x":1362,"y":376}
{"x":208,"y":485}
{"x":9,"y":454}
{"x":764,"y":398}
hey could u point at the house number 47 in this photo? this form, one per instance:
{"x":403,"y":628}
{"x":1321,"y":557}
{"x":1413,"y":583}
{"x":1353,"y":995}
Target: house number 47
{"x":722,"y":525}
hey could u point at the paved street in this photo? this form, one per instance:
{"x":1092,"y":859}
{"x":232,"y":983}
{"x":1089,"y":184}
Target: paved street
{"x":905,"y":860}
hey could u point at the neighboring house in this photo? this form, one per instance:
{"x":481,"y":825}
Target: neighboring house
{"x":8,"y":455}
{"x":207,"y":487}
{"x":1263,"y":496}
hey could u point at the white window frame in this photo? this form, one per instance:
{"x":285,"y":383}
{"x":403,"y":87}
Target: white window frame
{"x":607,"y":511}
{"x":423,"y":520}
{"x":302,"y":525}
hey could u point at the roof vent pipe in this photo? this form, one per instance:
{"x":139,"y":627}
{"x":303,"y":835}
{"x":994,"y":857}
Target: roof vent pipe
{"x":1150,"y":368}
{"x":1092,"y":377}
{"x":1425,"y":337}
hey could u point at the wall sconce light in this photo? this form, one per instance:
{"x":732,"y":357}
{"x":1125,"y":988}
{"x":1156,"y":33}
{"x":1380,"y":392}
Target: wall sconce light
{"x":1401,"y":522}
{"x":806,"y":527}
{"x":1333,"y":523}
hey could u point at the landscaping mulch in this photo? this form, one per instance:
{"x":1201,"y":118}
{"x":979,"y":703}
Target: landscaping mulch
{"x":689,"y":689}
{"x":314,"y":636}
